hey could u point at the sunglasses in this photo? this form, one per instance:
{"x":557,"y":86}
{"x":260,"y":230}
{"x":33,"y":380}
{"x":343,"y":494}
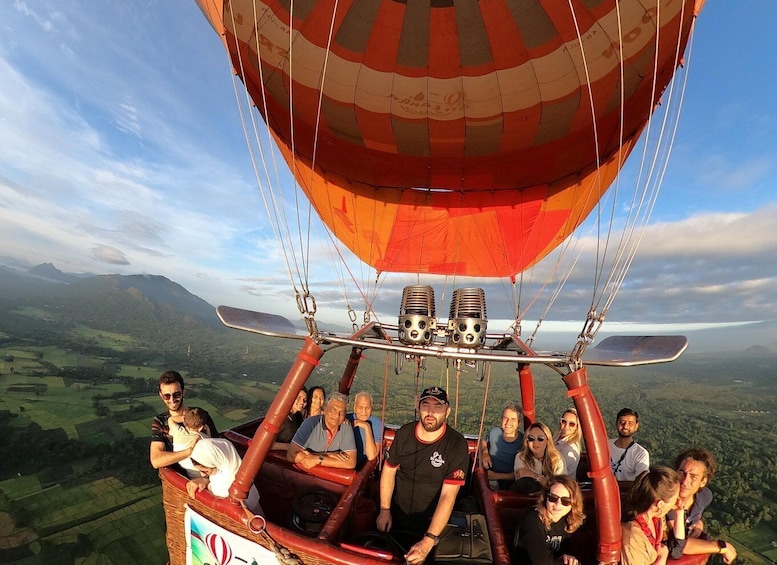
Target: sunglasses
{"x":570,"y":424}
{"x":174,"y":396}
{"x":553,"y":498}
{"x":538,"y":438}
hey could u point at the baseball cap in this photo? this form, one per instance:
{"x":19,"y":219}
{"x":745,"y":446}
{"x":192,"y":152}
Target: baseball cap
{"x":435,"y":392}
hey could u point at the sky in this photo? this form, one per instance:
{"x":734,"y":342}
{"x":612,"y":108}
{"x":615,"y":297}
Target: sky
{"x":122,"y":151}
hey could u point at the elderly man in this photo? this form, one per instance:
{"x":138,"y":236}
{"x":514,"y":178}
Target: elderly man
{"x":498,"y":450}
{"x":368,"y":429}
{"x":424,"y":469}
{"x":171,"y":391}
{"x":326,"y":440}
{"x":696,"y":468}
{"x":628,"y":459}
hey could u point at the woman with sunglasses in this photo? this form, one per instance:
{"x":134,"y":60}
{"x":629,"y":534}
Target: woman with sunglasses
{"x":568,"y":441}
{"x":653,"y":495}
{"x":537,"y":461}
{"x":542,"y":537}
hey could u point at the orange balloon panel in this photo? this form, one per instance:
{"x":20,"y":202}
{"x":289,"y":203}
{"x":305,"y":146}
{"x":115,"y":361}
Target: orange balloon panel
{"x":442,"y":128}
{"x":494,"y":234}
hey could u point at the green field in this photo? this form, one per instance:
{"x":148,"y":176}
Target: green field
{"x":95,"y":509}
{"x":115,"y":341}
{"x":122,"y":523}
{"x":144,"y":372}
{"x":761,"y":540}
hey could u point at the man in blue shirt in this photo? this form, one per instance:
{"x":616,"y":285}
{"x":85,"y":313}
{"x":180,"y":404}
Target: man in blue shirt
{"x":325,"y":440}
{"x":498,"y":450}
{"x":367,"y":429}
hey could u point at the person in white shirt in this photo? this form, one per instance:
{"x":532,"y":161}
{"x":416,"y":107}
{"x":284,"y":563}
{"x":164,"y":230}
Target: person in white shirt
{"x":186,"y":433}
{"x":219,"y":462}
{"x":568,"y":440}
{"x":628,"y":459}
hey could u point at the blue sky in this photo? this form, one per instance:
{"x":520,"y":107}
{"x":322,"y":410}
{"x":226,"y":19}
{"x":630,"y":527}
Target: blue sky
{"x":121,"y":151}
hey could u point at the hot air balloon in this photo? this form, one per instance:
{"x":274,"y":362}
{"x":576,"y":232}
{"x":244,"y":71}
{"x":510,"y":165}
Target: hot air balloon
{"x":219,"y":548}
{"x":466,"y":139}
{"x":446,"y":139}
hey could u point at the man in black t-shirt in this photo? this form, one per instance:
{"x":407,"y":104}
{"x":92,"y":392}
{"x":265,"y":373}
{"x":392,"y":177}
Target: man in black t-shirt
{"x":424,"y":469}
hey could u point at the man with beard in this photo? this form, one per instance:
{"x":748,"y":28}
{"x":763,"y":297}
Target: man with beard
{"x":424,"y":469}
{"x":171,"y":391}
{"x":628,"y":459}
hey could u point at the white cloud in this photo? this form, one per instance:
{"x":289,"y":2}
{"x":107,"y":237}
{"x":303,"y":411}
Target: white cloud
{"x":714,"y":235}
{"x":121,"y":149}
{"x":111,"y":255}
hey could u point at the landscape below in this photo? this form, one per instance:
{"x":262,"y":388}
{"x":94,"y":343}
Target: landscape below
{"x":80,"y":359}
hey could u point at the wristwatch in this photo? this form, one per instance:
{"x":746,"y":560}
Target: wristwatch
{"x":433,"y":537}
{"x":721,"y":546}
{"x":320,"y":459}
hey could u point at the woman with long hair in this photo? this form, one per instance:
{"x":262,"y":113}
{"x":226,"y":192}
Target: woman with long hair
{"x":542,"y":536}
{"x":653,"y":495}
{"x":537,"y":461}
{"x":569,"y":441}
{"x":292,"y":422}
{"x":316,"y":400}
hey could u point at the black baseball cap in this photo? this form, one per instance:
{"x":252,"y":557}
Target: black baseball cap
{"x":435,"y":392}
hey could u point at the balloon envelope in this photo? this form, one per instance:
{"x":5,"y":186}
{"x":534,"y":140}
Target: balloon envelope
{"x":466,"y":138}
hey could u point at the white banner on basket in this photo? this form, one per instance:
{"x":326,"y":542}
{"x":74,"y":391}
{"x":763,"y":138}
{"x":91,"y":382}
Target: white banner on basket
{"x":210,"y":544}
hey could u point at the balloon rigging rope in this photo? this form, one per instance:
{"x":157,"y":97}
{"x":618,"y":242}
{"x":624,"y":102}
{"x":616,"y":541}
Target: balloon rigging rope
{"x":670,"y":144}
{"x":265,"y":189}
{"x":575,"y":240}
{"x":616,"y":188}
{"x":279,"y":210}
{"x":333,"y":242}
{"x":293,"y":154}
{"x":638,"y":214}
{"x":363,"y":282}
{"x":318,"y":113}
{"x":595,"y":129}
{"x":486,"y":390}
{"x":627,"y":239}
{"x":629,"y":243}
{"x":648,"y":194}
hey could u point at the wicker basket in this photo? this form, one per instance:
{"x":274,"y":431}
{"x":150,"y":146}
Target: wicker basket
{"x":311,"y":551}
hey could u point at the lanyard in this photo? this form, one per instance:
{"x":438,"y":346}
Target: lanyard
{"x":623,"y":455}
{"x":654,"y":539}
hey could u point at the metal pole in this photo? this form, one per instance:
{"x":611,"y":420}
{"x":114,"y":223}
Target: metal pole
{"x":606,"y":491}
{"x":307,"y":360}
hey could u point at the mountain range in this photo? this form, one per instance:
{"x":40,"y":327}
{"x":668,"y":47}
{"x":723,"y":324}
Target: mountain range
{"x":134,"y":304}
{"x":131,"y":319}
{"x":145,"y":305}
